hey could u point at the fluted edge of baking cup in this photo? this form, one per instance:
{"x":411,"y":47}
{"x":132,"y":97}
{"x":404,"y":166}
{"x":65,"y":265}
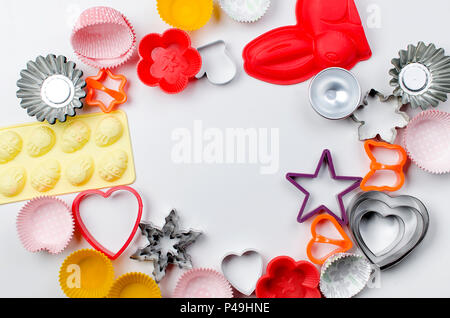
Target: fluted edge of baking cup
{"x":108,"y":62}
{"x":435,"y":63}
{"x":66,"y":273}
{"x":25,"y":221}
{"x":414,"y":135}
{"x":242,"y":17}
{"x":32,"y":81}
{"x":224,"y":287}
{"x":135,"y":278}
{"x":194,"y":26}
{"x":359,"y":279}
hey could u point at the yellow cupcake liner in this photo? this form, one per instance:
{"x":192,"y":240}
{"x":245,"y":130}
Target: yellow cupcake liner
{"x":188,"y":15}
{"x":86,"y":274}
{"x":134,"y":285}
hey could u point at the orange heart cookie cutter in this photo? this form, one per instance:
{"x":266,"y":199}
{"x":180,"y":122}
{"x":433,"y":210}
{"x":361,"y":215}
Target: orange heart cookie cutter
{"x":94,"y":83}
{"x":344,"y":245}
{"x":376,"y":166}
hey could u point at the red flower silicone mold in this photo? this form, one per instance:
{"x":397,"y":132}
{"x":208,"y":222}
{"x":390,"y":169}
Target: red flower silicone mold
{"x":168,"y":60}
{"x":286,"y":278}
{"x":327,"y":34}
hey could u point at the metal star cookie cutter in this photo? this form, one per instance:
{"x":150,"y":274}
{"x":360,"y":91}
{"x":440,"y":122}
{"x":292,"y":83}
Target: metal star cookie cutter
{"x":325,"y":159}
{"x":51,"y":88}
{"x":219,"y":70}
{"x":421,"y":76}
{"x":412,"y":220}
{"x":155,"y":253}
{"x":368,"y":128}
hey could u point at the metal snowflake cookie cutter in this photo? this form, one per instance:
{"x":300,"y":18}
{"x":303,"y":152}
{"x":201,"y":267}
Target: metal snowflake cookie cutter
{"x":51,"y":88}
{"x":219,"y":68}
{"x":158,"y":254}
{"x":421,"y":76}
{"x":387,"y":109}
{"x":243,"y":270}
{"x":369,"y":216}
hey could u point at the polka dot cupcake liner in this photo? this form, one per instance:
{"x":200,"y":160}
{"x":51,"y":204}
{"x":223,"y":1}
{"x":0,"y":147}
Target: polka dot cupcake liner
{"x":45,"y":223}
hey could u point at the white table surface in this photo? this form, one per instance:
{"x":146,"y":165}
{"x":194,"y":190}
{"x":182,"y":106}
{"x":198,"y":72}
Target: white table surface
{"x":234,"y":205}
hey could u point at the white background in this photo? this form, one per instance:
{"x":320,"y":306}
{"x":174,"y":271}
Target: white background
{"x":234,"y":205}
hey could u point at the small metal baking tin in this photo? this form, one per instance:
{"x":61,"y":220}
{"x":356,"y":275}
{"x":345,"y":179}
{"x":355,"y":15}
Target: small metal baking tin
{"x":51,"y":88}
{"x":421,"y":75}
{"x":335,"y":93}
{"x":220,"y":69}
{"x":412,"y":224}
{"x":368,"y":130}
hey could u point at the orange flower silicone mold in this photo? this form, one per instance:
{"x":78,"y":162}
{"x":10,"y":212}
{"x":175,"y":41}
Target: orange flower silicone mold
{"x":376,"y":166}
{"x":168,"y":60}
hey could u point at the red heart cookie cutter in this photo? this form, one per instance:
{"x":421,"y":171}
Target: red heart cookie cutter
{"x":343,"y":245}
{"x":85,"y":232}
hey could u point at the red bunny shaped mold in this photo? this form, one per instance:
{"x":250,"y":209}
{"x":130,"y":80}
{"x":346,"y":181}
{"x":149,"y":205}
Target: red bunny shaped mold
{"x":327,"y":34}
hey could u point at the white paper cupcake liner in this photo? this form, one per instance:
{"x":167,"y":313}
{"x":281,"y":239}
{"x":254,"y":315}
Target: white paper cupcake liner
{"x":246,"y":11}
{"x":344,"y":276}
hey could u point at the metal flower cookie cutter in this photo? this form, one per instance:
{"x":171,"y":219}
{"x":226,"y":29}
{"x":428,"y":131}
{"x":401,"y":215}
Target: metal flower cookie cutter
{"x":380,"y":115}
{"x":243,"y":270}
{"x":406,"y":215}
{"x":421,"y":76}
{"x":376,"y":166}
{"x":51,"y":88}
{"x":217,"y":66}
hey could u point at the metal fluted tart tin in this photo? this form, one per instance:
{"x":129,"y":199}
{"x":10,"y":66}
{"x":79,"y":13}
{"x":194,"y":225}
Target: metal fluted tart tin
{"x":335,"y":93}
{"x":51,"y":88}
{"x":421,"y":75}
{"x":344,"y":275}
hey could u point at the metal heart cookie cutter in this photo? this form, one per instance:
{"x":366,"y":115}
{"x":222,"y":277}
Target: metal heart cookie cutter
{"x":51,"y":88}
{"x":243,"y":270}
{"x":218,"y":67}
{"x":380,"y":115}
{"x":421,"y":76}
{"x":399,"y":225}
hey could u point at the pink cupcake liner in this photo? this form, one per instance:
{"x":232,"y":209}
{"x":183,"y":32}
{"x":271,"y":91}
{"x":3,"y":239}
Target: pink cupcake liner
{"x":427,"y":141}
{"x":103,"y":38}
{"x":45,"y":223}
{"x":203,"y":283}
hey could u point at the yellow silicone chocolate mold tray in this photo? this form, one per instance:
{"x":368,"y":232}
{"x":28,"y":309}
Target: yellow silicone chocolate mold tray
{"x":87,"y":152}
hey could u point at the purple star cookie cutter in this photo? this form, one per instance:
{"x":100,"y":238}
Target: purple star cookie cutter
{"x":326,"y":158}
